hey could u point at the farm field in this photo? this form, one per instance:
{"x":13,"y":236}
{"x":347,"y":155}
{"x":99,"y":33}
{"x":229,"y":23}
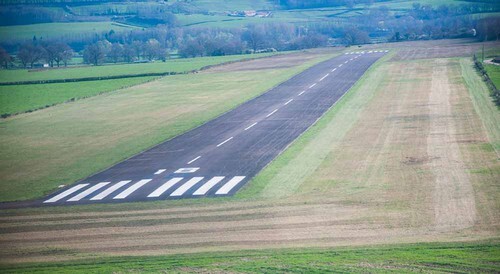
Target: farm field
{"x":117,"y":125}
{"x":22,"y":98}
{"x":173,"y":65}
{"x":53,"y":30}
{"x":404,"y":157}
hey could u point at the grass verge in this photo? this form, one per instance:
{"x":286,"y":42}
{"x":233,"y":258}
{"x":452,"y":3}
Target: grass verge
{"x":428,"y":257}
{"x":24,"y":98}
{"x":480,"y":94}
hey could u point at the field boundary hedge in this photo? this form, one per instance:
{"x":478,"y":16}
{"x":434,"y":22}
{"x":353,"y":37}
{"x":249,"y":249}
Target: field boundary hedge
{"x":495,"y":93}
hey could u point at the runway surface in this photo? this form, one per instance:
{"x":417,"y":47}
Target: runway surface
{"x":219,"y":157}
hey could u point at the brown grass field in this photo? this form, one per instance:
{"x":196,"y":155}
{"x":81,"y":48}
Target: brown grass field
{"x":405,"y":157}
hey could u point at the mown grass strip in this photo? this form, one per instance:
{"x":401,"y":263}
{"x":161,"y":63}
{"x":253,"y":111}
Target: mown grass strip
{"x":423,"y":257}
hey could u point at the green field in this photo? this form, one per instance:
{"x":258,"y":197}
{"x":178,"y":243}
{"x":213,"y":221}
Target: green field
{"x":114,"y":126}
{"x":22,"y":98}
{"x":174,"y":65}
{"x":428,"y":258}
{"x":54,"y":30}
{"x":494,"y":73}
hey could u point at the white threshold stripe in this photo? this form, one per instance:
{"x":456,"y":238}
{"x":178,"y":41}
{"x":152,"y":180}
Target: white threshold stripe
{"x":192,"y":161}
{"x":312,"y":85}
{"x":302,"y":92}
{"x":124,"y":194}
{"x":87,"y":192}
{"x":227,"y":140}
{"x":274,"y":111}
{"x":288,"y":102}
{"x":166,"y":186}
{"x":186,"y":186}
{"x":323,"y":78}
{"x":110,"y":190}
{"x":208,"y":185}
{"x":251,"y":126}
{"x":160,"y":171}
{"x":66,"y":193}
{"x":229,"y":185}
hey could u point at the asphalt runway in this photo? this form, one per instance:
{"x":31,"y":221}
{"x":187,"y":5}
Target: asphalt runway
{"x":221,"y":156}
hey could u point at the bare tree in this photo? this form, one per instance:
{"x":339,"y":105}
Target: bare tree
{"x":5,"y":58}
{"x":116,"y":52}
{"x":29,"y":54}
{"x":94,"y":53}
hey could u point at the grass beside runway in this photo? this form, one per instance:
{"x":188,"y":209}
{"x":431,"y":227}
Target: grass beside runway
{"x":45,"y":149}
{"x":22,"y":98}
{"x":427,"y":257}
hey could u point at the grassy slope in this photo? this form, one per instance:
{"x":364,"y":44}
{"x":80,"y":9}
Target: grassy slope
{"x":22,"y":98}
{"x":438,"y":257}
{"x":52,"y":30}
{"x":39,"y":151}
{"x":494,"y":73}
{"x":176,"y":65}
{"x":486,"y":109}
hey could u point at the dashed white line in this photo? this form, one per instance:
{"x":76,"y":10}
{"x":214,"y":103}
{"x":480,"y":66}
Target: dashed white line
{"x":65,"y":193}
{"x":186,"y":186}
{"x":251,"y":126}
{"x":87,"y":192}
{"x":274,"y":111}
{"x":110,"y":190}
{"x":227,"y":140}
{"x":166,"y":186}
{"x":301,"y":93}
{"x":340,"y":65}
{"x":192,"y":161}
{"x":160,"y":171}
{"x":208,"y":185}
{"x":288,"y":102}
{"x":312,"y":85}
{"x":229,"y":185}
{"x":124,"y":194}
{"x":334,"y":69}
{"x":346,"y":62}
{"x":323,"y":78}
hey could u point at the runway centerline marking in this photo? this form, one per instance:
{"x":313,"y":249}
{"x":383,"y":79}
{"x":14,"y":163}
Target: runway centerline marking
{"x":334,"y":69}
{"x":301,"y":93}
{"x":312,"y":85}
{"x":323,"y":78}
{"x":274,"y":111}
{"x":208,"y":185}
{"x":346,"y":62}
{"x":251,"y":126}
{"x":124,"y":194}
{"x":229,"y":185}
{"x":160,"y":171}
{"x":192,"y":161}
{"x":227,"y":140}
{"x":166,"y":186}
{"x":288,"y":102}
{"x":66,"y":193}
{"x":340,"y":65}
{"x":186,"y":186}
{"x":110,"y":190}
{"x":87,"y":192}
